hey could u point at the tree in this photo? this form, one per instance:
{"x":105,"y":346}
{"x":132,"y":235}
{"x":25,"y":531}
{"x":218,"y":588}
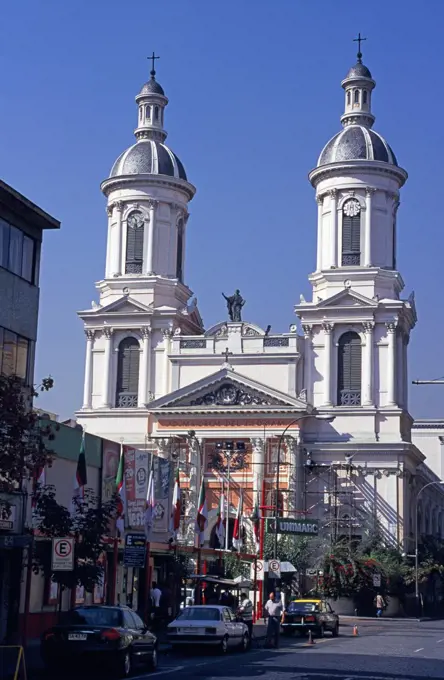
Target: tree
{"x":88,"y":525}
{"x":22,"y":437}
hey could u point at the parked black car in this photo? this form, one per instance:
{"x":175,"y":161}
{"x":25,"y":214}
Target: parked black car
{"x":110,"y":636}
{"x":305,"y":615}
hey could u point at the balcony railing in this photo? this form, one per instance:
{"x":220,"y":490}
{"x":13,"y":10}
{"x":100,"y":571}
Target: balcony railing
{"x":350,"y":398}
{"x":351,"y":259}
{"x":126,"y":400}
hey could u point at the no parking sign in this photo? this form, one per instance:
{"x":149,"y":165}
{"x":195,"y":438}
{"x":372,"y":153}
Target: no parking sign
{"x":62,"y":554}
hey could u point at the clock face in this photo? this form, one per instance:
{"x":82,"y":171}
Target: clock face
{"x":135,"y":220}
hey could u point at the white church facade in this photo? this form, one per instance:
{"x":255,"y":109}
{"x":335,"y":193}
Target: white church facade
{"x":329,"y":406}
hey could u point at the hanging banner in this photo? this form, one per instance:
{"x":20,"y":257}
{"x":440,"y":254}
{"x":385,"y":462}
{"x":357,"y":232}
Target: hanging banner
{"x":110,"y":465}
{"x":136,"y":481}
{"x":162,"y":493}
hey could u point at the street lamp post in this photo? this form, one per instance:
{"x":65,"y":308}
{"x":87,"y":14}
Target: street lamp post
{"x":327,"y":418}
{"x":416,"y":539}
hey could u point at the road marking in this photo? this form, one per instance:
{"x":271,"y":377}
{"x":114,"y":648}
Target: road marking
{"x":441,"y":640}
{"x":418,"y":650}
{"x":152,"y":675}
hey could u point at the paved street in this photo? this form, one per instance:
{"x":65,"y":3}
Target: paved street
{"x":383,"y":650}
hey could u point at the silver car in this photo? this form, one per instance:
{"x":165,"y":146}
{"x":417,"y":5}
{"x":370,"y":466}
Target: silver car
{"x":208,"y":625}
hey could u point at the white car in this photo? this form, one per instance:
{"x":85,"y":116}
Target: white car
{"x":208,"y":625}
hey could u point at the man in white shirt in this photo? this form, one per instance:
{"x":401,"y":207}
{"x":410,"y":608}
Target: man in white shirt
{"x":274,"y":611}
{"x":156,"y":594}
{"x":246,"y":611}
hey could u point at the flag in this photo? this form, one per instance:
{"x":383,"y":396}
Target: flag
{"x":175,"y":510}
{"x":256,"y":520}
{"x":202,"y":515}
{"x":80,"y":480}
{"x":149,"y":511}
{"x":39,"y":482}
{"x":220,"y":523}
{"x":237,"y":531}
{"x":121,"y":492}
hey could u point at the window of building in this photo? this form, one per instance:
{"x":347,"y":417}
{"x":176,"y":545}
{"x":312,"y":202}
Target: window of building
{"x":14,"y":354}
{"x":348,"y":98}
{"x":17,"y":251}
{"x":156,"y":113}
{"x":134,"y":243}
{"x":356,"y":96}
{"x":364,"y":96}
{"x":351,"y":233}
{"x":179,"y":258}
{"x":128,"y":373}
{"x":349,"y":369}
{"x":148,"y":112}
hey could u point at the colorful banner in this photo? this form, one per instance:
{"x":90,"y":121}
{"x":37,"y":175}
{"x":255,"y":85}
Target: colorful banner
{"x":110,"y":464}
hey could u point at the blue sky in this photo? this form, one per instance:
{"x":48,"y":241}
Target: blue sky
{"x":254,"y":91}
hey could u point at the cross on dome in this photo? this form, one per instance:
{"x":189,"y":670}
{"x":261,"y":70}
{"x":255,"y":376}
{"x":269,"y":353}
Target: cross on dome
{"x":359,"y":40}
{"x":153,"y":60}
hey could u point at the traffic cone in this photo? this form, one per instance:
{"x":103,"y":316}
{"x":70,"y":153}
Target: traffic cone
{"x":355,"y":631}
{"x":310,"y":638}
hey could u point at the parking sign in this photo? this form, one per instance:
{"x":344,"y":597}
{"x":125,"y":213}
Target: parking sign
{"x":62,"y":554}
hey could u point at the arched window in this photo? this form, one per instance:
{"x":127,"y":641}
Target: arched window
{"x":134,"y":243}
{"x":356,"y":96}
{"x":179,"y":256}
{"x":127,"y":373}
{"x":364,"y":97}
{"x":348,"y":98}
{"x":156,"y":113}
{"x":141,"y":112}
{"x":351,"y":233}
{"x":148,"y":112}
{"x":349,"y":369}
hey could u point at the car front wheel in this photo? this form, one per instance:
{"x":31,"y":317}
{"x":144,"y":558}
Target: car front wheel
{"x":245,"y":642}
{"x":153,"y":662}
{"x":125,"y":665}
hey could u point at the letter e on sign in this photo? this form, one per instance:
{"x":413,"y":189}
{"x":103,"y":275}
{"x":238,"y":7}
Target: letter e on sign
{"x":62,"y":554}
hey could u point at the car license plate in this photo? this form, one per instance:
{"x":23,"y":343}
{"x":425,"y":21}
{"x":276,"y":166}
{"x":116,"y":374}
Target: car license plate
{"x":190,"y":629}
{"x":77,"y":636}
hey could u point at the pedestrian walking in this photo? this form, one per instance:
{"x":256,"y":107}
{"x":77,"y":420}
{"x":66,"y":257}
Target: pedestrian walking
{"x":380,"y":605}
{"x":274,"y":611}
{"x":246,"y":612}
{"x":156,"y":595}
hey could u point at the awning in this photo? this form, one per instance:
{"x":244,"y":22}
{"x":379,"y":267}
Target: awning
{"x":225,"y":582}
{"x":286,"y":568}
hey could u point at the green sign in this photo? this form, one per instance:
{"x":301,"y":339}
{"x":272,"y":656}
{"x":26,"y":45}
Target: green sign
{"x":296,"y":527}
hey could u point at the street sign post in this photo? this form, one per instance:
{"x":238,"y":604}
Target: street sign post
{"x":259,"y":570}
{"x":295,"y":527}
{"x":134,"y":554}
{"x":274,"y":569}
{"x":62,"y":554}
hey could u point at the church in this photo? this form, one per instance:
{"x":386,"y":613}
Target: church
{"x":315,"y":425}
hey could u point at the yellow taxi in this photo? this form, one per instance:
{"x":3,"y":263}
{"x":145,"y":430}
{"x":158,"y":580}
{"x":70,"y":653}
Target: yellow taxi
{"x":305,"y":615}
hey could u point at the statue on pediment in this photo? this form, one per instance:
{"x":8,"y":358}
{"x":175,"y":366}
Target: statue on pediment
{"x":234,"y":305}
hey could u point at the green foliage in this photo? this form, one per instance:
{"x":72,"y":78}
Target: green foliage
{"x":22,"y":437}
{"x":234,"y":567}
{"x":88,"y":524}
{"x":299,"y":550}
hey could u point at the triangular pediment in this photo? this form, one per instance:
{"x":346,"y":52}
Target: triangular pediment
{"x":347,"y":298}
{"x":124,"y":305}
{"x":227,"y":390}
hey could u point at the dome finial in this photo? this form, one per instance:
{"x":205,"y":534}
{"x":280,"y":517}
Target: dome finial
{"x":359,"y":40}
{"x":153,"y":60}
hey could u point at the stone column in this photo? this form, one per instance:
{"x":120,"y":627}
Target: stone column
{"x":399,"y":387}
{"x":334,"y":227}
{"x":308,"y":361}
{"x":258,"y":460}
{"x":150,"y":245}
{"x":328,"y":329}
{"x":107,"y":367}
{"x":184,"y":237}
{"x":391,"y":362}
{"x":87,"y":386}
{"x":195,"y":449}
{"x":320,"y":202}
{"x":406,"y":371}
{"x":109,"y":242}
{"x":118,"y":241}
{"x":144,"y":367}
{"x":367,"y":365}
{"x":167,"y":335}
{"x":368,"y":227}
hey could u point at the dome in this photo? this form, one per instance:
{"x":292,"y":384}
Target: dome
{"x":152,"y":87}
{"x":358,"y":71}
{"x":148,"y":157}
{"x":355,"y":143}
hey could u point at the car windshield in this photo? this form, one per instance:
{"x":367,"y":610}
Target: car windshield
{"x":301,"y":607}
{"x":200,"y":614}
{"x":94,"y":617}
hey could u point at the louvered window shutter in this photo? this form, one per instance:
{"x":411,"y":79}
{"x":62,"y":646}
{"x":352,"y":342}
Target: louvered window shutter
{"x":349,"y":370}
{"x":351,"y":239}
{"x":134,"y":249}
{"x":128,"y":372}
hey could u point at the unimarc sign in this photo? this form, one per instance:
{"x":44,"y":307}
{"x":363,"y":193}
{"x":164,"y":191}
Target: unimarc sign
{"x":293,"y":526}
